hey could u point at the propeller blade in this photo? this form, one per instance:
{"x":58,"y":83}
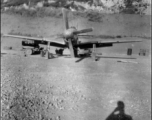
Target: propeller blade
{"x":83,"y":31}
{"x":65,"y":18}
{"x":87,"y":36}
{"x":71,"y":48}
{"x":57,"y":36}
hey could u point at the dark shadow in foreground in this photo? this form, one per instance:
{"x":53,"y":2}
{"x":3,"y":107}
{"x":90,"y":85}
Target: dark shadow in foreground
{"x":119,"y":113}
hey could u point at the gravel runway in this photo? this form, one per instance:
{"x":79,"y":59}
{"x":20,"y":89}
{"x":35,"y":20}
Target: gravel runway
{"x":61,"y":89}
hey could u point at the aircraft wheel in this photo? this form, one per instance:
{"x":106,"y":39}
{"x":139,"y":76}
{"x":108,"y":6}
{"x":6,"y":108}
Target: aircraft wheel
{"x":28,"y":51}
{"x":61,"y":51}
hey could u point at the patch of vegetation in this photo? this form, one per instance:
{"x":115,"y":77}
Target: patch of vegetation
{"x":94,"y":16}
{"x":48,"y":9}
{"x":36,"y":12}
{"x":22,"y":34}
{"x":20,"y":2}
{"x":134,"y":6}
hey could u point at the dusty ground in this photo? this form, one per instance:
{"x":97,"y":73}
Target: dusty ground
{"x":33,"y":88}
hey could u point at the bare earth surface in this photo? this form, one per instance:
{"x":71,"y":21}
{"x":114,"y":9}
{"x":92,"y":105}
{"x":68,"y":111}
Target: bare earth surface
{"x":33,"y":88}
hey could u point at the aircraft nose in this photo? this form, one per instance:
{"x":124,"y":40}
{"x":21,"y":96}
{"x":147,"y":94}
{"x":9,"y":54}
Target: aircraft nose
{"x":68,"y":34}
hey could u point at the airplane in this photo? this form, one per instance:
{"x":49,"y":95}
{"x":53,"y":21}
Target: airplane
{"x":70,"y":38}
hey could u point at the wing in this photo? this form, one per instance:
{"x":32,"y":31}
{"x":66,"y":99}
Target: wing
{"x":98,"y":36}
{"x":41,"y":40}
{"x":84,"y":45}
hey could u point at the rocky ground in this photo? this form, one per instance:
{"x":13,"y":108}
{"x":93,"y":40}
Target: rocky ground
{"x":33,"y":88}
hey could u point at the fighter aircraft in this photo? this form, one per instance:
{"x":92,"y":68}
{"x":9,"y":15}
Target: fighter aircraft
{"x":70,"y":38}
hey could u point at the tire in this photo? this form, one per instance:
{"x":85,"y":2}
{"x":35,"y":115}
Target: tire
{"x":60,"y":51}
{"x":29,"y":52}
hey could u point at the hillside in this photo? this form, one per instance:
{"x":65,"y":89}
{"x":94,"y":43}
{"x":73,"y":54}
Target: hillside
{"x":101,"y":6}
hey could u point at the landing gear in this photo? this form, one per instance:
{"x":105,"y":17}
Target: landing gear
{"x":42,"y":53}
{"x":59,"y":52}
{"x":48,"y":55}
{"x":93,"y":55}
{"x":30,"y":51}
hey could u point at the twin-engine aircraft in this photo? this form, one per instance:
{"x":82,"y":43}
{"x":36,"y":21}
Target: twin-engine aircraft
{"x":71,"y":41}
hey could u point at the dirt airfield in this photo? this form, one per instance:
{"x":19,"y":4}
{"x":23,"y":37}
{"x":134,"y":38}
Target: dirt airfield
{"x":33,"y":88}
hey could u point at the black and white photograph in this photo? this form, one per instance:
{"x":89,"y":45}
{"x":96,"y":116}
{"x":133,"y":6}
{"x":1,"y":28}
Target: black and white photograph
{"x":75,"y":59}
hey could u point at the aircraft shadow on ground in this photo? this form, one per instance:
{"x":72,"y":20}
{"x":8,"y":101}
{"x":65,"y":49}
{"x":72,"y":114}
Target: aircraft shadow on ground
{"x":110,"y":57}
{"x":81,"y":58}
{"x":119,"y":113}
{"x":116,"y":57}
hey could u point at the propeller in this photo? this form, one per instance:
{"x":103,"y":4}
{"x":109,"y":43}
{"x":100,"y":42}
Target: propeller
{"x":100,"y":36}
{"x":57,"y":36}
{"x":70,"y":32}
{"x":83,"y":31}
{"x":71,"y":48}
{"x":65,"y":18}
